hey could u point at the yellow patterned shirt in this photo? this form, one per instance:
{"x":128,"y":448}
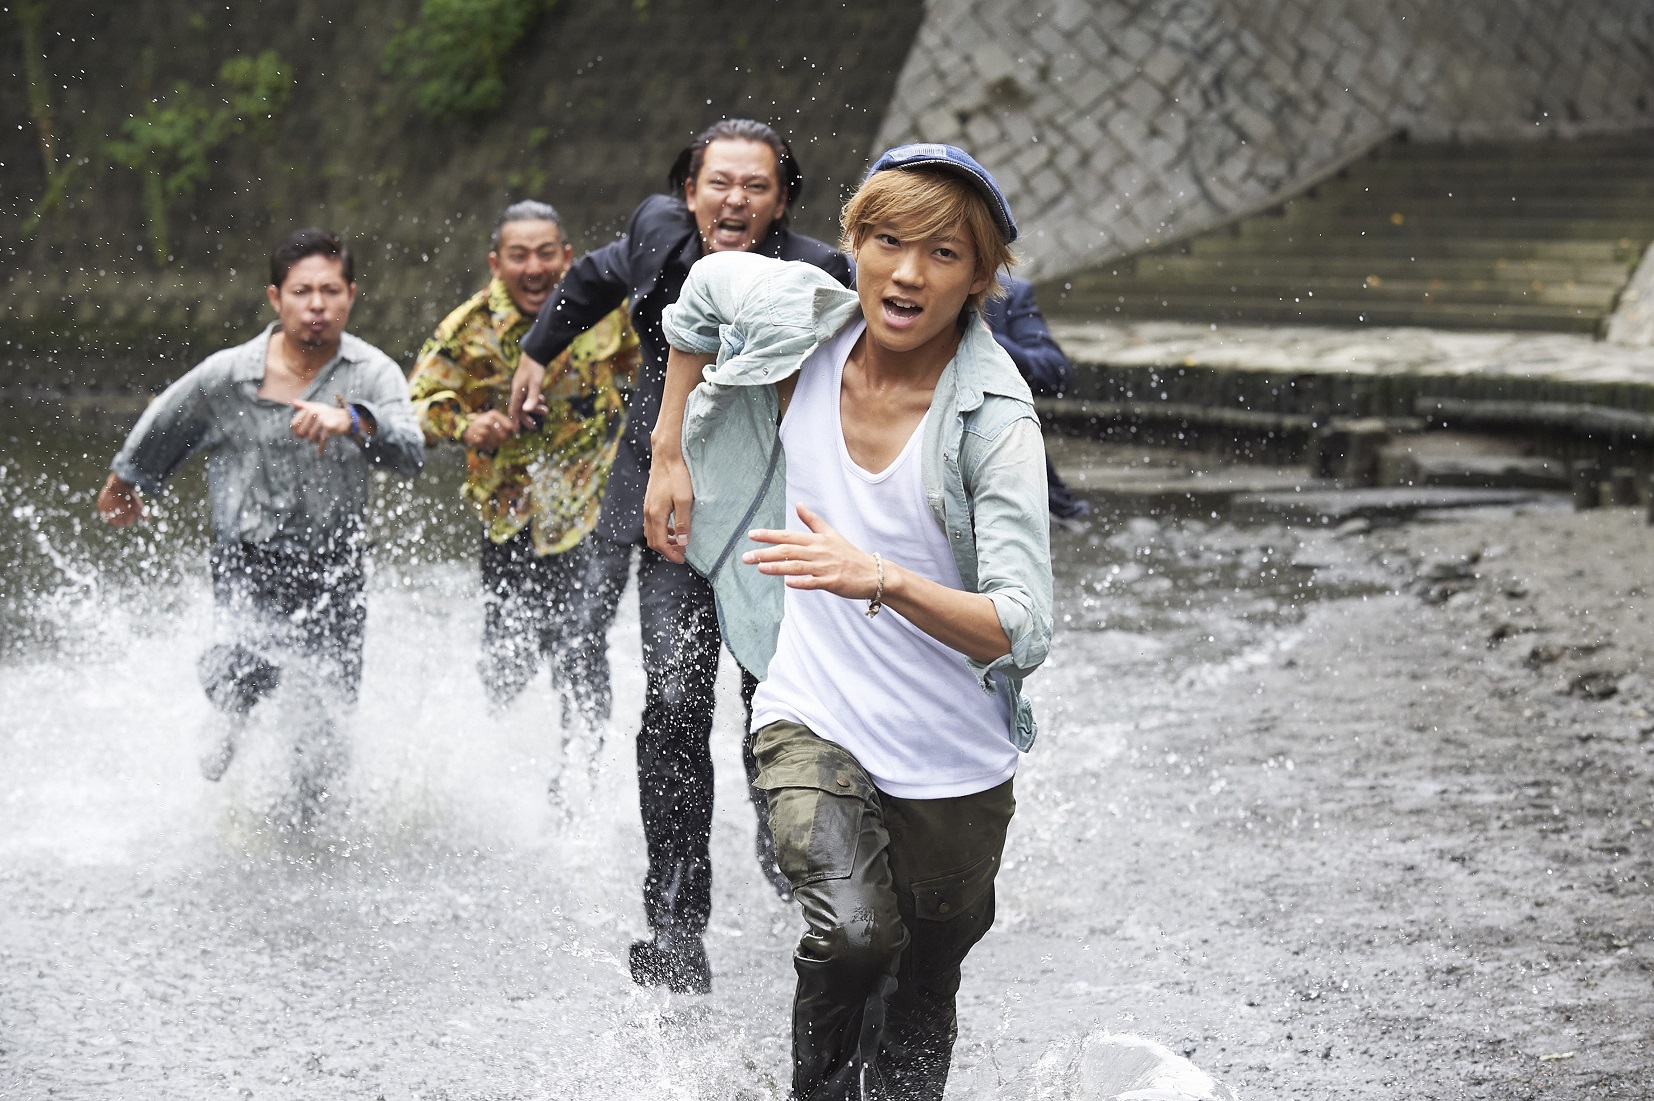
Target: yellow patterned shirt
{"x":552,"y":477}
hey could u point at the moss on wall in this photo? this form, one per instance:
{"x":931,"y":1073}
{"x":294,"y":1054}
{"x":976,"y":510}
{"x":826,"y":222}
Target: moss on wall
{"x":595,"y":101}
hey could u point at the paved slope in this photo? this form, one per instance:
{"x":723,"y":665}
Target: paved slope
{"x":1535,"y":235}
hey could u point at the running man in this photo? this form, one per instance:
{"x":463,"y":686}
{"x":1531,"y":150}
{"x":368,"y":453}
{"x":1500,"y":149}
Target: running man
{"x":537,"y":491}
{"x":730,"y":191}
{"x":290,"y":423}
{"x":901,"y":499}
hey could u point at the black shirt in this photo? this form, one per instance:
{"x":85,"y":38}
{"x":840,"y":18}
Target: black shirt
{"x":648,"y":265}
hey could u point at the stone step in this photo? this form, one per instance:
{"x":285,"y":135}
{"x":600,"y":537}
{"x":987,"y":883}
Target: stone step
{"x":1354,"y":289}
{"x":1235,"y":307}
{"x":1450,"y":227}
{"x":1320,"y":247}
{"x":1328,"y":506}
{"x":1611,"y":170}
{"x":1540,"y":156}
{"x":1343,"y":300}
{"x":1631,"y":209}
{"x":1513,"y":235}
{"x":1176,"y":268}
{"x":1629,"y":184}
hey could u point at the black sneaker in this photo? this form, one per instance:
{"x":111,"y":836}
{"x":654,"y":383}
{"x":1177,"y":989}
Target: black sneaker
{"x":675,"y":961}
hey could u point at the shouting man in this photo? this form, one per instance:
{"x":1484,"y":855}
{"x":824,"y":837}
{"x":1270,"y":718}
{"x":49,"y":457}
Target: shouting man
{"x":731,"y":191}
{"x":290,"y":424}
{"x":882,"y":452}
{"x":536,"y":491}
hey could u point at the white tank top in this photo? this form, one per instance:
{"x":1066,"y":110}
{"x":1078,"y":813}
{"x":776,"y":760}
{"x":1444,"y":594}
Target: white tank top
{"x":904,"y":705}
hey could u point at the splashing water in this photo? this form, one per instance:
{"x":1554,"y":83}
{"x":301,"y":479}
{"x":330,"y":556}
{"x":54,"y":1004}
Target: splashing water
{"x":447,"y":931}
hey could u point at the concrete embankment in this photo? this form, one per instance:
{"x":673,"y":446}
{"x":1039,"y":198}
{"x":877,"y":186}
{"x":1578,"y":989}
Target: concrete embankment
{"x":1341,"y":399}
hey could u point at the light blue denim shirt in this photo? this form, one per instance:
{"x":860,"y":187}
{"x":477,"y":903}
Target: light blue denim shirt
{"x":267,"y":486}
{"x":983,"y":459}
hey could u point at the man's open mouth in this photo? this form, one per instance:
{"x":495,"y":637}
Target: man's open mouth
{"x":902,"y":308}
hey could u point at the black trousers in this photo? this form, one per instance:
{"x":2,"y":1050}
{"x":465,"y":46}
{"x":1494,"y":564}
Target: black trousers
{"x":681,"y":645}
{"x":280,"y":602}
{"x":896,"y":892}
{"x":531,"y":614}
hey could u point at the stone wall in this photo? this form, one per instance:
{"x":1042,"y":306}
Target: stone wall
{"x":599,"y":99}
{"x":1117,"y":125}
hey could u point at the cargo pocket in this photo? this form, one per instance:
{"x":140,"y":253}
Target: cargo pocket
{"x":816,"y":816}
{"x":945,"y":897}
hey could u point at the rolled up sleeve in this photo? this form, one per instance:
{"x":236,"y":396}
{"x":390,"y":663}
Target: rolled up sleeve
{"x":397,"y":443}
{"x":1013,"y":545}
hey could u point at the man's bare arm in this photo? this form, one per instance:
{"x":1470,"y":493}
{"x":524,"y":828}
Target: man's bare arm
{"x":670,"y":497}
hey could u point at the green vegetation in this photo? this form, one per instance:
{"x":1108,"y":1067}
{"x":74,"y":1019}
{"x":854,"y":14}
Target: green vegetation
{"x":30,"y":18}
{"x":452,"y":60}
{"x":171,"y":142}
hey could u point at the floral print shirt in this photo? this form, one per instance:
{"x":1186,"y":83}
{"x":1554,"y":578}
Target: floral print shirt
{"x":553,"y":477}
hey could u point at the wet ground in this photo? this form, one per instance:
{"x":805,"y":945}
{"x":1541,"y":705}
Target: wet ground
{"x":1339,"y":810}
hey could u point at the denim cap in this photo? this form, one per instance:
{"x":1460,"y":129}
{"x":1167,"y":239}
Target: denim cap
{"x":926,"y":154}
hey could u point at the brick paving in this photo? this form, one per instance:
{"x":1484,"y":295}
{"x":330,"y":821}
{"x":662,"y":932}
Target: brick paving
{"x":1117,"y":125}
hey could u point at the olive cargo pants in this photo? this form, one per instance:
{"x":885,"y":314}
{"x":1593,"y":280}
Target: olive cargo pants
{"x":895,"y":893}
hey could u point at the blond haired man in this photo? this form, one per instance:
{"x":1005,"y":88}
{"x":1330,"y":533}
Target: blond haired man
{"x":883,"y":453}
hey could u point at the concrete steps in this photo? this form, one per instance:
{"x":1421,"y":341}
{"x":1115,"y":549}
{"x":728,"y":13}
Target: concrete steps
{"x":1533,"y":236}
{"x":1308,"y":311}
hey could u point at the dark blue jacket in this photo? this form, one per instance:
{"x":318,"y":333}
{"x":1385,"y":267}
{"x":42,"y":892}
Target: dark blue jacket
{"x":1020,"y":329}
{"x":648,"y":266}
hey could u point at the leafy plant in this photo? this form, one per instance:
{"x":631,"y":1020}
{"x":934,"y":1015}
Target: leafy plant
{"x":452,"y":60}
{"x":171,"y":143}
{"x":31,"y":16}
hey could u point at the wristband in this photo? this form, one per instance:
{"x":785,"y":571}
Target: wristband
{"x":877,"y":602}
{"x":355,"y":424}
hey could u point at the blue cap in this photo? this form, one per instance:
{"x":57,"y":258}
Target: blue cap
{"x":927,"y":154}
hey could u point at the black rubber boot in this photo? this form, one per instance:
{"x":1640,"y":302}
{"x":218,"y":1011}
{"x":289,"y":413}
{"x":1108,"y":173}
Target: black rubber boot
{"x":675,"y":961}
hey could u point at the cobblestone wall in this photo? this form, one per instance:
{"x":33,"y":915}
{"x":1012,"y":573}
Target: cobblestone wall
{"x":1115,"y":124}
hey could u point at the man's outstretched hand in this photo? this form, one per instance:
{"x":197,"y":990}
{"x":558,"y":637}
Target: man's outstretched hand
{"x":820,"y":558}
{"x":119,"y":504}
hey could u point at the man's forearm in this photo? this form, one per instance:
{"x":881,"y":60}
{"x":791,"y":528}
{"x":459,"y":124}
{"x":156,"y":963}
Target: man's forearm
{"x":967,"y":622}
{"x":683,"y":374}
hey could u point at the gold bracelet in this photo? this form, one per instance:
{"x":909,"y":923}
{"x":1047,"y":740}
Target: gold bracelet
{"x":877,"y":602}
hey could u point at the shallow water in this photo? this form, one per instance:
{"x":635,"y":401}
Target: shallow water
{"x":448,"y":932}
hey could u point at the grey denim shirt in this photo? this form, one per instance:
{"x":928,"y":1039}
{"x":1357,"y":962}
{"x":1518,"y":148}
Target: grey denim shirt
{"x":267,"y":486}
{"x":983,"y":459}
